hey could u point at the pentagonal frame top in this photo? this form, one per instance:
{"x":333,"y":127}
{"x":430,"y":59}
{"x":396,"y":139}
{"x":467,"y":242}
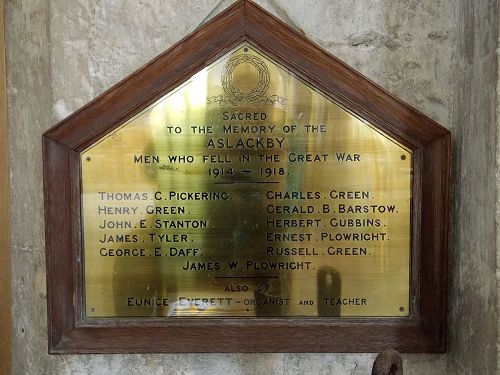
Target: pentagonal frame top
{"x":70,"y":332}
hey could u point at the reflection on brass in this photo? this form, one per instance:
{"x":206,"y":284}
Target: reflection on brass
{"x":246,"y":193}
{"x":329,"y":285}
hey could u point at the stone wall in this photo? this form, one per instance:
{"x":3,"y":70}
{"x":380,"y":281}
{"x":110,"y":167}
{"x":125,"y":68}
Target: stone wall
{"x":63,"y":53}
{"x":498,"y":191}
{"x":29,"y":113}
{"x":473,"y":286}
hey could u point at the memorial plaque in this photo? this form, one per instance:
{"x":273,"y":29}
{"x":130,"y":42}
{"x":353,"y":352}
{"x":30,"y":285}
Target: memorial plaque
{"x":245,"y":192}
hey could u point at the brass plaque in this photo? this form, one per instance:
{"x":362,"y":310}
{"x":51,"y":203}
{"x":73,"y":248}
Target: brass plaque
{"x":246,"y":193}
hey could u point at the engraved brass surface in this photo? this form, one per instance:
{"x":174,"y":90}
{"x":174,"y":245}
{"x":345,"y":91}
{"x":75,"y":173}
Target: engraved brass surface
{"x":246,"y":193}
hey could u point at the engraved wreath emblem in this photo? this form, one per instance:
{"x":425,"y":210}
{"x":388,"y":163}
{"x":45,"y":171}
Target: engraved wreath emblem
{"x":235,"y":95}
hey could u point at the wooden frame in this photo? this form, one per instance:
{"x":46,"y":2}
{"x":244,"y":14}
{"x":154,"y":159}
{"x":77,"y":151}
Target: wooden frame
{"x":423,"y":331}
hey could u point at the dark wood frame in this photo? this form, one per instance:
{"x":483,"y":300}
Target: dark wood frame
{"x":71,"y":332}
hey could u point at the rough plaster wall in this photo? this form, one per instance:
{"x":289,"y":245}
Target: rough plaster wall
{"x":498,"y":189}
{"x":473,"y":296}
{"x":29,"y":114}
{"x":62,"y":53}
